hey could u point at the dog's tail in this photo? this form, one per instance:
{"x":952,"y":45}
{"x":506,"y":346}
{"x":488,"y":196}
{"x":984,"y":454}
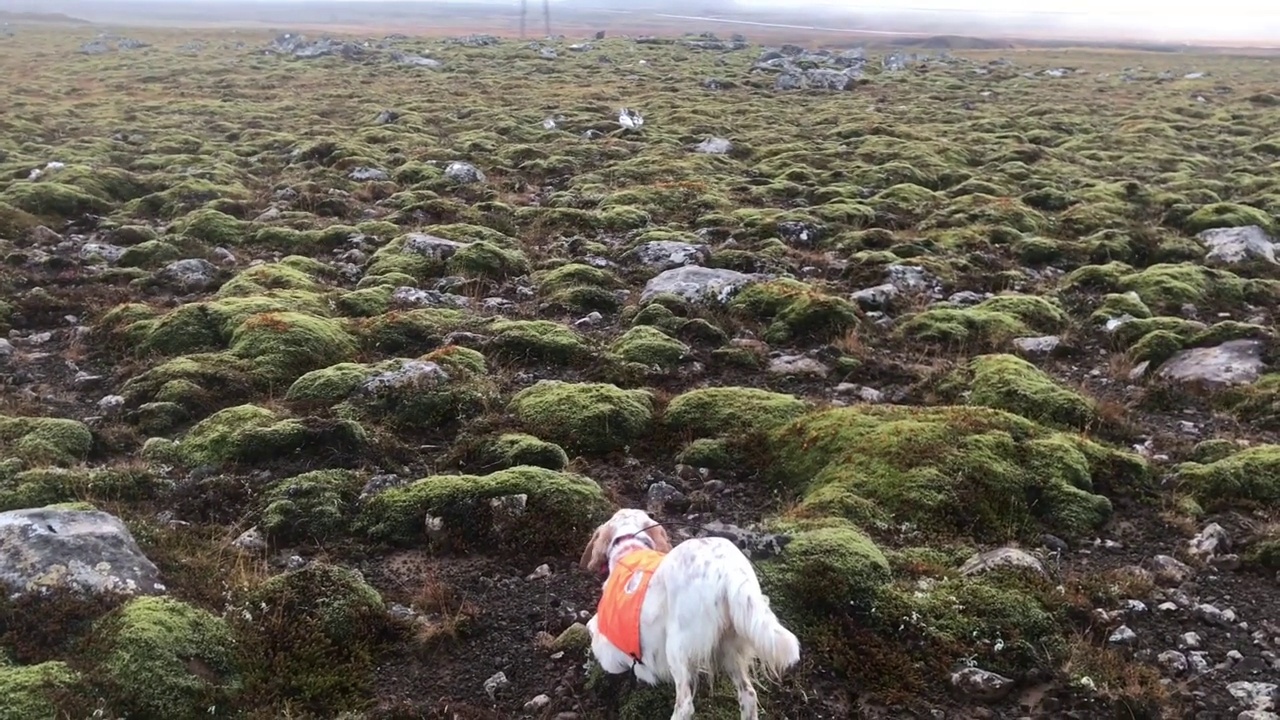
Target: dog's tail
{"x":776,"y":647}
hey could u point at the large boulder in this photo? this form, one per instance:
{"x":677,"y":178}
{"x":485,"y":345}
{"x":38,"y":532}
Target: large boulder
{"x":45,"y":549}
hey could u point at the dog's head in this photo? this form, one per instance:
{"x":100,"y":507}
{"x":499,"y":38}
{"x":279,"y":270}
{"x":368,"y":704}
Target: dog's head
{"x":624,"y":523}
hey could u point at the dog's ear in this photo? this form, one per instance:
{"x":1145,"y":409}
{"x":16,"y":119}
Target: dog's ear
{"x":593,"y":557}
{"x":661,"y":542}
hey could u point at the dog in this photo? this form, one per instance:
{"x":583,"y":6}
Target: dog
{"x":669,"y":614}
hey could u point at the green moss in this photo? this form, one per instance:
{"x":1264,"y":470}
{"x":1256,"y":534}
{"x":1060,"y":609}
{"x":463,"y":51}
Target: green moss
{"x":562,"y":510}
{"x":713,"y":453}
{"x":53,"y":200}
{"x":149,"y":255}
{"x":310,"y":637}
{"x":979,"y":209}
{"x":826,"y":568}
{"x":577,"y":287}
{"x":584,"y":417}
{"x":486,"y":260}
{"x":46,"y":486}
{"x":164,"y":658}
{"x":1006,"y":382}
{"x":1038,"y":313}
{"x":967,"y":327}
{"x":515,"y":449}
{"x":28,"y":690}
{"x":330,"y":385}
{"x":192,"y":381}
{"x":649,"y":346}
{"x":410,"y":394}
{"x":964,"y":470}
{"x":44,"y":440}
{"x":15,"y":222}
{"x":728,"y":411}
{"x":314,"y":506}
{"x":1248,"y":477}
{"x":1115,"y":305}
{"x":1166,"y":287}
{"x":657,"y":315}
{"x":365,"y":302}
{"x":538,"y":340}
{"x":1257,"y":404}
{"x":796,"y":311}
{"x":213,"y":227}
{"x":1224,"y":214}
{"x":413,"y":331}
{"x":459,"y":359}
{"x":283,"y":345}
{"x":249,"y":433}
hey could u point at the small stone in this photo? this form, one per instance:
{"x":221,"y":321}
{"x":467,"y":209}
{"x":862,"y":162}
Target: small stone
{"x":250,"y":539}
{"x":1189,"y":641}
{"x":541,"y":571}
{"x":1123,"y":635}
{"x":1001,"y":558}
{"x":1038,"y":346}
{"x":982,"y":684}
{"x":1173,"y":662}
{"x":495,"y":683}
{"x":537,"y":703}
{"x":111,"y":404}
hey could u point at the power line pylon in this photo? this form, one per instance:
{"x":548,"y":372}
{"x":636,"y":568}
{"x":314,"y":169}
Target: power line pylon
{"x":546,"y":15}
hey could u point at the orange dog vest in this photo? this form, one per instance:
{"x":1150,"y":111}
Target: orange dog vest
{"x":618,"y":614}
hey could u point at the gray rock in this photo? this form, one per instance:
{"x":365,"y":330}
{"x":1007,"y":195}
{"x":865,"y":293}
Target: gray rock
{"x":189,"y":275}
{"x":463,"y":172}
{"x":1235,"y":362}
{"x":1188,"y":641}
{"x":43,"y":549}
{"x":411,"y":374}
{"x":6,"y":348}
{"x":1209,"y":542}
{"x":876,"y":298}
{"x":659,"y":495}
{"x":1042,"y":346}
{"x":106,"y":251}
{"x":797,"y":365}
{"x":250,"y":539}
{"x":1005,"y":557}
{"x":696,"y":284}
{"x":111,"y":404}
{"x":415,"y":298}
{"x":667,"y":254}
{"x":981,"y":684}
{"x":714,"y":146}
{"x":1123,"y":635}
{"x":430,"y":246}
{"x":1170,"y":571}
{"x":1173,"y":662}
{"x":753,"y":544}
{"x":367,"y":174}
{"x":1237,"y":245}
{"x":1260,"y":696}
{"x":495,"y":683}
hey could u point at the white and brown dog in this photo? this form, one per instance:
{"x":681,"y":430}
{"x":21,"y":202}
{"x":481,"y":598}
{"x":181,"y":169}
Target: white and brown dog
{"x":672,"y":614}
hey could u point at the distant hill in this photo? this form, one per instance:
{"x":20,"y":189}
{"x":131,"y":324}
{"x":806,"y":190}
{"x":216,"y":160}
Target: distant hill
{"x":47,"y":18}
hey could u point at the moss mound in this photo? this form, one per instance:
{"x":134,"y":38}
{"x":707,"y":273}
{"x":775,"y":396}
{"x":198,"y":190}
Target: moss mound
{"x":990,"y":324}
{"x":44,"y":440}
{"x":1007,"y":382}
{"x":584,"y":417}
{"x":558,"y":514}
{"x":983,"y":473}
{"x":27,"y":691}
{"x":249,"y":433}
{"x":309,"y":638}
{"x":725,"y":411}
{"x":1249,"y":477}
{"x":795,"y":311}
{"x":515,"y":449}
{"x":49,"y":485}
{"x":164,"y":658}
{"x":650,"y":346}
{"x":826,"y":568}
{"x":314,"y":506}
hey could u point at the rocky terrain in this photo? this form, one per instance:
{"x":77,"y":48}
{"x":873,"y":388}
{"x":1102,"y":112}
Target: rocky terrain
{"x":322,"y":358}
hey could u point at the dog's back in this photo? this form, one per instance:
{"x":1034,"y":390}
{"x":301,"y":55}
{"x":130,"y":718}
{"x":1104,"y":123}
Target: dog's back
{"x":713,"y":612}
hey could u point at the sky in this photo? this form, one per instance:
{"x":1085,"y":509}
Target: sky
{"x":1152,"y":8}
